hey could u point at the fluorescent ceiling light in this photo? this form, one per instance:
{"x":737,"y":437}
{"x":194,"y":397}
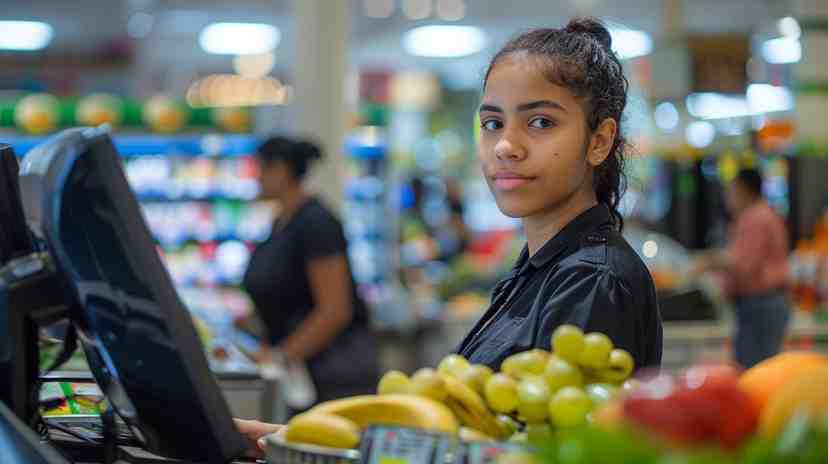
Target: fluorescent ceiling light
{"x":782,"y":50}
{"x":700,"y":134}
{"x":760,"y":99}
{"x":666,"y":116}
{"x":239,"y":38}
{"x":24,"y":35}
{"x":789,"y":27}
{"x":708,"y":105}
{"x":630,"y":43}
{"x":444,"y":41}
{"x":766,"y":98}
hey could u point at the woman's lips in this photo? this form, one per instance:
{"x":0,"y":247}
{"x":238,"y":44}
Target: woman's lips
{"x":510,"y":182}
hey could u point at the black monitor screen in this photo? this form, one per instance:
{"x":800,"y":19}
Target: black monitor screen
{"x":15,"y":240}
{"x":152,"y":365}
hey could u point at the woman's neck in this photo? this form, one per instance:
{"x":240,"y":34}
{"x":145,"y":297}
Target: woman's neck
{"x":542,"y":227}
{"x":291,"y":200}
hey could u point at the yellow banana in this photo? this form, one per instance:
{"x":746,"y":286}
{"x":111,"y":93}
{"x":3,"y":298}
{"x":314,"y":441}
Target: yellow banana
{"x":392,"y":409}
{"x":323,"y":429}
{"x":468,"y":434}
{"x":470,"y":408}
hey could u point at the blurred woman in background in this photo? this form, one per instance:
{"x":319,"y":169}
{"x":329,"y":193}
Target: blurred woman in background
{"x":755,"y":267}
{"x":301,"y":282}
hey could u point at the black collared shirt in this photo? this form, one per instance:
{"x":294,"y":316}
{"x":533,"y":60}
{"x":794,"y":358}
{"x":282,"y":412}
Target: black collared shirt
{"x":588,"y":276}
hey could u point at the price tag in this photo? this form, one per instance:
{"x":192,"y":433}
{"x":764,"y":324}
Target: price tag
{"x":495,"y":453}
{"x":399,"y":445}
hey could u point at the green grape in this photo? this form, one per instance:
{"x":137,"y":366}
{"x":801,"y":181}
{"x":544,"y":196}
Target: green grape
{"x":539,"y":434}
{"x":600,"y":393}
{"x":533,"y":399}
{"x":393,"y":382}
{"x":476,"y":377}
{"x":568,"y":342}
{"x":501,"y":393}
{"x":427,"y":382}
{"x":560,"y":373}
{"x":569,"y":407}
{"x":621,"y":364}
{"x":520,"y":365}
{"x":597,"y":348}
{"x":453,"y":365}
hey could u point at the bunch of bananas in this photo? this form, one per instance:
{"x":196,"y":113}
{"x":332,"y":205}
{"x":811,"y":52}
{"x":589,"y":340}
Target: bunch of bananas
{"x":534,"y":391}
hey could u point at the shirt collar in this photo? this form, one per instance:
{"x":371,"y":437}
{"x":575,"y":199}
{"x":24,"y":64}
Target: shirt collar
{"x":594,"y":218}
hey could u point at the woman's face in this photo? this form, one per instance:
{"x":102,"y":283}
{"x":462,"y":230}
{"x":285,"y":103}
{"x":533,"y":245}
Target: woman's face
{"x":534,"y":140}
{"x":274,"y":178}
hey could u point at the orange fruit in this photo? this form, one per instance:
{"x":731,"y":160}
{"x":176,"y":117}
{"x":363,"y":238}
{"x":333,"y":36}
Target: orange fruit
{"x":765,"y":379}
{"x":807,"y":393}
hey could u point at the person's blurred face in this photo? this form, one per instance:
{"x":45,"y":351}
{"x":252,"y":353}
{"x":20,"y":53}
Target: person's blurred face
{"x":274,"y":179}
{"x":737,"y":197}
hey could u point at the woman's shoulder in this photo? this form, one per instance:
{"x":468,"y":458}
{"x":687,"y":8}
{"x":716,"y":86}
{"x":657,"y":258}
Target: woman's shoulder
{"x":606,"y":254}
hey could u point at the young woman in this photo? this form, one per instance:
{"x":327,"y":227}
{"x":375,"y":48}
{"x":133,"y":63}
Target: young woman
{"x":552,"y":153}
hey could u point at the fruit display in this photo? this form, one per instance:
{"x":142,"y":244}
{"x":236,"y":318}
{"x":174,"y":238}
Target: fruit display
{"x":535,"y":393}
{"x":579,"y":404}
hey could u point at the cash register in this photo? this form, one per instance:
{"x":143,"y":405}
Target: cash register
{"x":99,"y":269}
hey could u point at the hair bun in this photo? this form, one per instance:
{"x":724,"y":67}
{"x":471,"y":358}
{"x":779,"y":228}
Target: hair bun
{"x":592,"y":27}
{"x":308,"y":150}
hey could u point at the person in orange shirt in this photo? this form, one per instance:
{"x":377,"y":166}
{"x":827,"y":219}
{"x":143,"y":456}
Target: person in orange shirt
{"x":755,"y":269}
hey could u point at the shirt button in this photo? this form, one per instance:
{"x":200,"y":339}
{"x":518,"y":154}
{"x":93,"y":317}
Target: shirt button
{"x":596,"y":238}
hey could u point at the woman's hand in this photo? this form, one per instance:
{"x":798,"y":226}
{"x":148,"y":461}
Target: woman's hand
{"x":255,"y":432}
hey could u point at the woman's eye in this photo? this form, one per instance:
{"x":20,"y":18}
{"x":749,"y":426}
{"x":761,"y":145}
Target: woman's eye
{"x":541,"y":123}
{"x":491,"y":124}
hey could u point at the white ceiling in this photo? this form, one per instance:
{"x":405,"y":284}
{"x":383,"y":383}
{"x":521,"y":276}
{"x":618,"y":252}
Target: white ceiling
{"x":171,"y":51}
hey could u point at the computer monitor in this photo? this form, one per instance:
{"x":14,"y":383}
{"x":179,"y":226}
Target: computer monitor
{"x":20,"y":445}
{"x":152,"y":365}
{"x":15,"y":240}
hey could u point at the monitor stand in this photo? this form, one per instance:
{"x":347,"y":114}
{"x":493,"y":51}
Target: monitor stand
{"x":31,"y":296}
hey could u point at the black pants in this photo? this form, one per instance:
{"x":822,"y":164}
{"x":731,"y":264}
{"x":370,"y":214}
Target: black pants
{"x":350,"y":367}
{"x":761,"y":322}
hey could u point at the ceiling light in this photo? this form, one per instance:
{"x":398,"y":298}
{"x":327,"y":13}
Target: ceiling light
{"x":666,"y":116}
{"x":766,"y":98}
{"x":630,"y":43}
{"x":25,"y":35}
{"x":444,"y":41}
{"x":700,"y":134}
{"x":782,"y":50}
{"x":789,"y":27}
{"x":239,"y":38}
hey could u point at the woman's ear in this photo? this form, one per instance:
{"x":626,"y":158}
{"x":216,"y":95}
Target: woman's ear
{"x":601,"y":141}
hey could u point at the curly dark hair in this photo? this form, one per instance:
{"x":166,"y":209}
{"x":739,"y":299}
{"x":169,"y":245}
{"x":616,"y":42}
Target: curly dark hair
{"x":579,"y":57}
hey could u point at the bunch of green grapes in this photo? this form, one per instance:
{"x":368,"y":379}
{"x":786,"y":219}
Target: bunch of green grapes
{"x":559,"y":389}
{"x":535,"y":391}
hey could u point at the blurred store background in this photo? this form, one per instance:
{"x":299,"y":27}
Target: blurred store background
{"x":390,"y":88}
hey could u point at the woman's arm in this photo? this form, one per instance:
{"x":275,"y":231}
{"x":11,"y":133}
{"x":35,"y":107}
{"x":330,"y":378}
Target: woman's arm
{"x":332,"y":292}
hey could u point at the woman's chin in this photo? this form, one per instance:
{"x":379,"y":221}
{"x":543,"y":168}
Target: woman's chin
{"x":512,"y":210}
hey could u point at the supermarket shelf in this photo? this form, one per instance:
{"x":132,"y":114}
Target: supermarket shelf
{"x":159,"y":198}
{"x":219,"y":145}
